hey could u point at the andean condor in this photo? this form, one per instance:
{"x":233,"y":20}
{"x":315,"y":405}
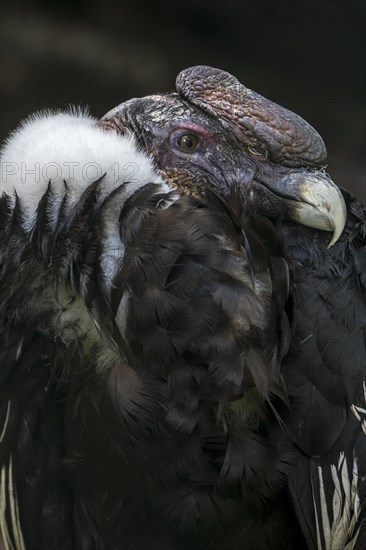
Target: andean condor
{"x":182,"y":361}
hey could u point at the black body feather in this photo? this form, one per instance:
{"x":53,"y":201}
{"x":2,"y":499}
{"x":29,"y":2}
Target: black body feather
{"x":147,"y":415}
{"x":325,"y":373}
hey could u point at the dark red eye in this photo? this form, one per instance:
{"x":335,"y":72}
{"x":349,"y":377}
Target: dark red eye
{"x":187,"y":143}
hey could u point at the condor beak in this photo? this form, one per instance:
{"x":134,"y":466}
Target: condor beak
{"x":312,"y":199}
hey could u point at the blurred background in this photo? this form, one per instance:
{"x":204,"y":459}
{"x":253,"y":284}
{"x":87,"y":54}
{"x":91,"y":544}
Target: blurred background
{"x":308,"y":55}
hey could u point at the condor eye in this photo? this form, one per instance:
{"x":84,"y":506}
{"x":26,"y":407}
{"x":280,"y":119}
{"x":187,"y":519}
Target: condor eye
{"x":187,"y":143}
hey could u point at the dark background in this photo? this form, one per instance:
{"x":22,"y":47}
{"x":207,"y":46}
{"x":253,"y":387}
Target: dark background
{"x":306,"y":55}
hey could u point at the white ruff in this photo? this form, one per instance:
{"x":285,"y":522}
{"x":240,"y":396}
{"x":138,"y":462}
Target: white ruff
{"x":68,"y":146}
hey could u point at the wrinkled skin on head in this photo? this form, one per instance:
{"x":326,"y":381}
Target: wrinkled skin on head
{"x":215,"y":132}
{"x":260,"y":124}
{"x":158,"y":122}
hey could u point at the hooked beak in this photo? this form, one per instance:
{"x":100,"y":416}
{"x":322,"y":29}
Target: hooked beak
{"x":313,"y":200}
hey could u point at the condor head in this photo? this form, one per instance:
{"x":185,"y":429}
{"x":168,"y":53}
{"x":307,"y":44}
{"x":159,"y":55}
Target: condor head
{"x":215,"y":131}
